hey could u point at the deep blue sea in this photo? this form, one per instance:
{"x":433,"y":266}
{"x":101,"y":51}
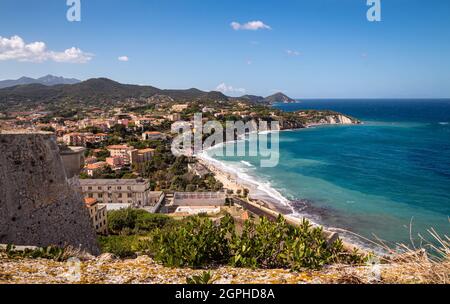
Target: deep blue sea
{"x":372,"y":179}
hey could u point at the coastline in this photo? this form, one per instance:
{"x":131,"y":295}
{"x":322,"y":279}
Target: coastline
{"x":269,"y":200}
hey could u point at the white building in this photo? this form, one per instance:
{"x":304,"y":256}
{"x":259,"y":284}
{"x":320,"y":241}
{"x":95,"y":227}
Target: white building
{"x":195,"y":210}
{"x":134,"y":192}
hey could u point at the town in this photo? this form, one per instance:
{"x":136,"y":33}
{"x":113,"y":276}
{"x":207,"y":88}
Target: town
{"x":110,"y":182}
{"x":121,"y":152}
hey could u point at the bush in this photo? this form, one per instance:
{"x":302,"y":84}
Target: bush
{"x":204,"y":279}
{"x":200,"y":242}
{"x":134,"y":221}
{"x":280,"y":245}
{"x":122,"y":246}
{"x":197,"y":243}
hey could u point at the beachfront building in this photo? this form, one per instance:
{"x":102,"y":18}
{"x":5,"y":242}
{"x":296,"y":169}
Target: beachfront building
{"x":129,"y":192}
{"x":196,"y":210}
{"x":199,"y":199}
{"x":193,"y":203}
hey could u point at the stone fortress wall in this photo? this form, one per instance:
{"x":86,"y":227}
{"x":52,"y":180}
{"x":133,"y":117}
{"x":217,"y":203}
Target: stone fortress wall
{"x":38,"y":207}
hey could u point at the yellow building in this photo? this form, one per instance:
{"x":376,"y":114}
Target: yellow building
{"x":98,"y":215}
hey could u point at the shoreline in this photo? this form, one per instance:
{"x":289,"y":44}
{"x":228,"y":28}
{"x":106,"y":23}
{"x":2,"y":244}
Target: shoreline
{"x":269,"y":200}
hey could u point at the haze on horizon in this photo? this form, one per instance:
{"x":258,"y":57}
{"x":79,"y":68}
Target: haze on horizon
{"x":306,"y":49}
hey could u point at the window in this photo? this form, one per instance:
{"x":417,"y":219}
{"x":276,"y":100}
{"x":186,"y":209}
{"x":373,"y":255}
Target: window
{"x":119,"y":188}
{"x":130,"y":195}
{"x":99,"y":188}
{"x":89,"y":188}
{"x":129,"y":188}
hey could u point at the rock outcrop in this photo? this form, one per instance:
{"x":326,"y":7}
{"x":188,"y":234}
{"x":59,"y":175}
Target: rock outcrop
{"x":337,"y":120}
{"x":38,"y":207}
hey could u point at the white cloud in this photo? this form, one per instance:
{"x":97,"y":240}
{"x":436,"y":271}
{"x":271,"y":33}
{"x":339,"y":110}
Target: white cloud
{"x":226,"y":89}
{"x":15,"y":48}
{"x":292,"y":53}
{"x":123,"y":58}
{"x":250,"y":26}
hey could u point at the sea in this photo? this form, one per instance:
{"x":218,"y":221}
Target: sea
{"x":387,"y":179}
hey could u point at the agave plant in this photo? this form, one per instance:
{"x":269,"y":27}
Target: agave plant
{"x":203,"y":279}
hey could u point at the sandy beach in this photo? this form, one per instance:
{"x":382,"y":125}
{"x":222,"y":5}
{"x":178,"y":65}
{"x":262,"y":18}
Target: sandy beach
{"x":267,"y":200}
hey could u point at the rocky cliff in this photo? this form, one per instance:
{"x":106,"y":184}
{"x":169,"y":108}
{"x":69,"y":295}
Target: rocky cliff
{"x":307,"y":118}
{"x":37,"y":205}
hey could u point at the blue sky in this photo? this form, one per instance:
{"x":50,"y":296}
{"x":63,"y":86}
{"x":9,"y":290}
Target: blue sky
{"x":313,"y":49}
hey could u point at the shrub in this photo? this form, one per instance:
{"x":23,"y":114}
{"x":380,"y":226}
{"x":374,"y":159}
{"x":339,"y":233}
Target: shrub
{"x":280,"y":245}
{"x":133,"y":221}
{"x":204,"y":279}
{"x":197,"y":243}
{"x":200,"y":242}
{"x":122,"y":246}
{"x":148,"y":221}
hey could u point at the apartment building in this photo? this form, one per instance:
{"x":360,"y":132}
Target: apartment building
{"x":126,"y":153}
{"x":134,"y":192}
{"x":81,"y":139}
{"x":145,"y":155}
{"x":98,"y":215}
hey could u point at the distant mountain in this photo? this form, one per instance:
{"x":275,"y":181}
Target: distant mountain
{"x":48,"y":80}
{"x":97,"y":90}
{"x":103,"y":91}
{"x":253,"y":98}
{"x":279,"y":97}
{"x":51,"y":80}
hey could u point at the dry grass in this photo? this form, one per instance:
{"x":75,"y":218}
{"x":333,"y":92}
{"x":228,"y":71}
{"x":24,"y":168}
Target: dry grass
{"x":428,"y":263}
{"x":425,"y":263}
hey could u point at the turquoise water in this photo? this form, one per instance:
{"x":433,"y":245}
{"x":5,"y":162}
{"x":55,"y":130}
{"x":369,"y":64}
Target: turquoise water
{"x":371,"y":179}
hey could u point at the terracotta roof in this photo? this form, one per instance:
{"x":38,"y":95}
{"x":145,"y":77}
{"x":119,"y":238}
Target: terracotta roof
{"x":117,"y":147}
{"x":153,"y":133}
{"x":146,"y":150}
{"x":89,"y":201}
{"x":96,"y":165}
